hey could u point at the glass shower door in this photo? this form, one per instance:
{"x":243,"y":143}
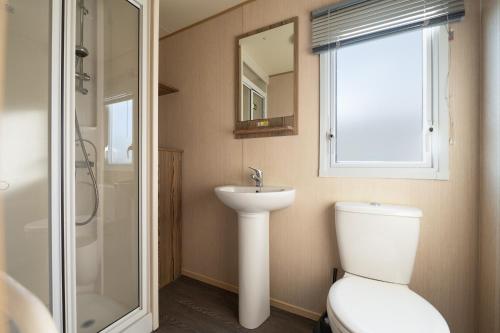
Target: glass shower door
{"x":30,"y":150}
{"x":103,"y":285}
{"x":25,"y":146}
{"x":107,"y":161}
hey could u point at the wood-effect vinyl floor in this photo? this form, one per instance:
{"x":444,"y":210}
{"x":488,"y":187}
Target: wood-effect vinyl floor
{"x":187,"y":305}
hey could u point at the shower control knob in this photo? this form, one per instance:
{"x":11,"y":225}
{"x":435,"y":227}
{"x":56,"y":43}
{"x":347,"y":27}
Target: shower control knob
{"x":4,"y":186}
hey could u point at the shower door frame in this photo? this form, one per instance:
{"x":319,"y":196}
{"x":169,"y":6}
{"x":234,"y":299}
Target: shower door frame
{"x":55,"y":226}
{"x":138,"y":320}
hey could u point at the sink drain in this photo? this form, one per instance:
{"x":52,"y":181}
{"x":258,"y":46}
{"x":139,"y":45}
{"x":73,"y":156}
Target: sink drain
{"x":88,"y":323}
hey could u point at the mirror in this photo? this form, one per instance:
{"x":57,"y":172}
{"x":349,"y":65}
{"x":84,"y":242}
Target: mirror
{"x":267,"y":85}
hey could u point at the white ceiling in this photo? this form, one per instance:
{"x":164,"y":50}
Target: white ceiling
{"x":178,"y":14}
{"x":272,"y":50}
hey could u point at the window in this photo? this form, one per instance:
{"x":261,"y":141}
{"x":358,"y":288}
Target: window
{"x":384,"y":107}
{"x":254,"y":104}
{"x":120,"y":133}
{"x":254,"y":89}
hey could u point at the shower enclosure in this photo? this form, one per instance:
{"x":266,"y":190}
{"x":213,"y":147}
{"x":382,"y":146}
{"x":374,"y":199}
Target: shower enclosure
{"x":73,"y":168}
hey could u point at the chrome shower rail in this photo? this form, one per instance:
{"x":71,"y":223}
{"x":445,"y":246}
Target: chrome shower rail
{"x":82,"y":52}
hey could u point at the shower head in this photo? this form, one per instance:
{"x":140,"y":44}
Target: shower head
{"x":81,"y":51}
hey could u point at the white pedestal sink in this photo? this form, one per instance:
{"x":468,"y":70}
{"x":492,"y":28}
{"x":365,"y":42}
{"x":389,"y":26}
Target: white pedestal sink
{"x":253,"y":205}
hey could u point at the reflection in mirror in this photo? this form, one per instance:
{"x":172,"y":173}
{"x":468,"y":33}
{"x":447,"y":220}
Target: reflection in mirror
{"x":268,"y":74}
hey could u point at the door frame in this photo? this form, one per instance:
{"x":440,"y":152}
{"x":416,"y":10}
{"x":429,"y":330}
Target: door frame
{"x":154,"y":40}
{"x":140,"y":319}
{"x":55,"y":226}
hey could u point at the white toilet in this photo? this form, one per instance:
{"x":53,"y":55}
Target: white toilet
{"x":377,"y":246}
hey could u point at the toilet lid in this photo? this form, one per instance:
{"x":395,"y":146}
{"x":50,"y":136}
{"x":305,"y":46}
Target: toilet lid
{"x":368,"y":306}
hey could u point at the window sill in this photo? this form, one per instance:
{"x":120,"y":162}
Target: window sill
{"x":387,"y":173}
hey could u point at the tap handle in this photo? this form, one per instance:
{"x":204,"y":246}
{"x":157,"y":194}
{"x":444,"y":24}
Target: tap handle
{"x":258,"y":172}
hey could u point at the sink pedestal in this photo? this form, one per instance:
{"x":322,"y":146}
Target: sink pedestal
{"x":253,"y":264}
{"x":253,"y":206}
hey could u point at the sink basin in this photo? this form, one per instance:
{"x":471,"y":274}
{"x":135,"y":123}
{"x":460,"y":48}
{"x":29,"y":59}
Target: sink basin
{"x":253,"y":205}
{"x":253,"y":199}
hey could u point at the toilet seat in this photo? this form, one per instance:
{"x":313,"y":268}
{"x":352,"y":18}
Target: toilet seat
{"x":361,"y":305}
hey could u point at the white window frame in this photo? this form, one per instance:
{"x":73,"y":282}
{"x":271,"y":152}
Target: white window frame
{"x":435,"y":103}
{"x":253,"y":89}
{"x":107,"y":102}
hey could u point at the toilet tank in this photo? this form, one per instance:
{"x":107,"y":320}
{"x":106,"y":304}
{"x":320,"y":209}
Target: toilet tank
{"x":377,"y":241}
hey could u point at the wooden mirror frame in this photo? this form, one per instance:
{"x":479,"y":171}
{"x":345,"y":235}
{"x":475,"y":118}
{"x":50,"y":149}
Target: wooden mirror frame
{"x":279,"y":126}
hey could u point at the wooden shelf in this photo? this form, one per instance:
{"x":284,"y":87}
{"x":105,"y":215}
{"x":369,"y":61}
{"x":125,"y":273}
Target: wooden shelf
{"x":165,"y":90}
{"x":257,"y":130}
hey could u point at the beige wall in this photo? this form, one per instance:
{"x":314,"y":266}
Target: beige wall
{"x":199,"y":119}
{"x":280,"y":95}
{"x":489,"y":230}
{"x":3,"y":42}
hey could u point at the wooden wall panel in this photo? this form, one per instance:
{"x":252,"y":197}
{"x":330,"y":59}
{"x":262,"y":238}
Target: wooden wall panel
{"x":280,"y":95}
{"x":303,"y":249}
{"x":169,"y":215}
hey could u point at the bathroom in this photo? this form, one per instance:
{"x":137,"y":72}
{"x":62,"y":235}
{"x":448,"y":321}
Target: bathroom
{"x":161,"y":250}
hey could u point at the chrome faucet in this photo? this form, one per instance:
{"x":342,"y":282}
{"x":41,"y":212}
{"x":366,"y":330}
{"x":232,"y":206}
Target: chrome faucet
{"x":257,"y":177}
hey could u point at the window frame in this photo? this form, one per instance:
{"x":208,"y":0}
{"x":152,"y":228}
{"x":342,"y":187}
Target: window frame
{"x":254,"y":89}
{"x":435,"y":107}
{"x":107,"y":102}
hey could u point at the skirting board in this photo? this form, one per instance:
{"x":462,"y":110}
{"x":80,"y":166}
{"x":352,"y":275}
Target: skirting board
{"x":234,"y":289}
